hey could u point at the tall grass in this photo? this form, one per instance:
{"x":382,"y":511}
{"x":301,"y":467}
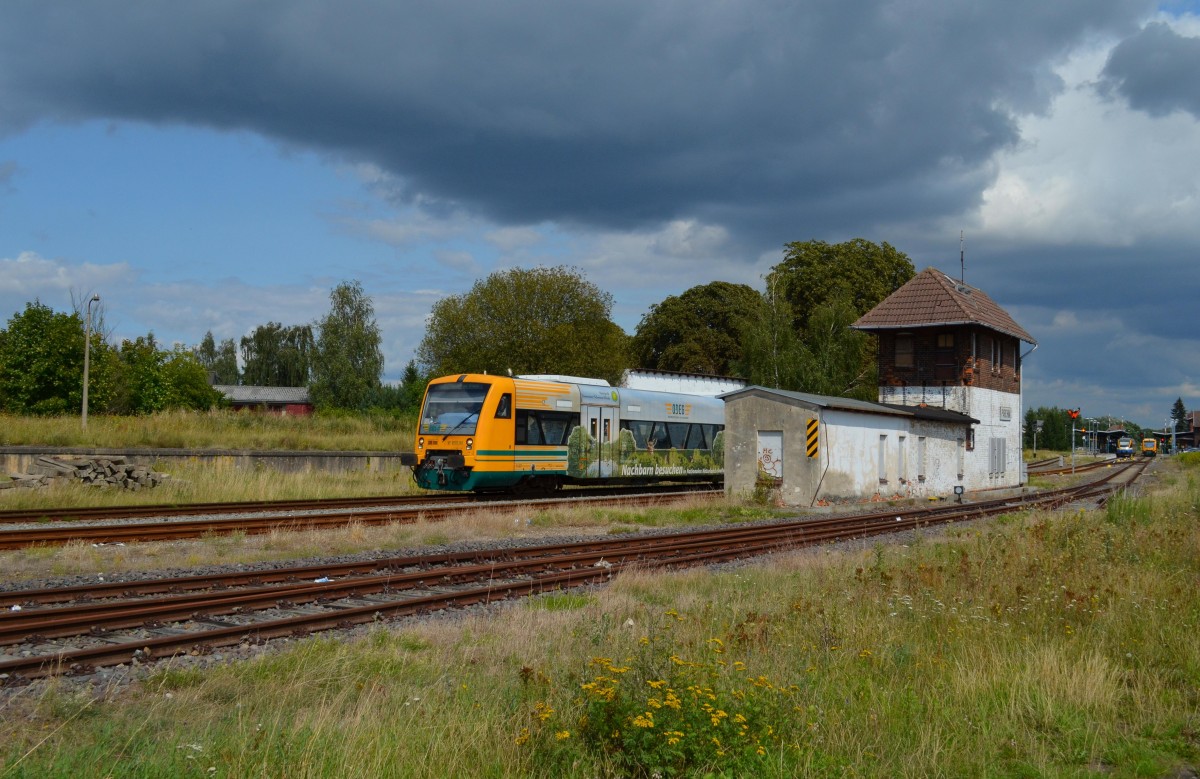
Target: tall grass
{"x":1040,"y":645}
{"x":213,"y":430}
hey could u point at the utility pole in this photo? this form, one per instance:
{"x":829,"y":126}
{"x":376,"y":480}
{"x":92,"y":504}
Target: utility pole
{"x":87,"y":347}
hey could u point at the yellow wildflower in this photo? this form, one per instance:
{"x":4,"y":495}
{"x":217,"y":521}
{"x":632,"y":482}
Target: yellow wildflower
{"x":644,"y":720}
{"x":562,"y":735}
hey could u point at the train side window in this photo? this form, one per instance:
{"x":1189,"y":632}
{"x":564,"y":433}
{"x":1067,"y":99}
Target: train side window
{"x":640,"y":430}
{"x":695,"y":438}
{"x":555,"y":428}
{"x":592,"y":427}
{"x":504,"y":407}
{"x":678,"y":431}
{"x":607,"y":436}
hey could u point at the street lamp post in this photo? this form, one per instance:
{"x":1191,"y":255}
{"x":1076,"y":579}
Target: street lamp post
{"x":87,"y":347}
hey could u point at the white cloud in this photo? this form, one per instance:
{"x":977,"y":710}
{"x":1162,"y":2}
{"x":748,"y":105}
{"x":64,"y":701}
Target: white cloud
{"x":1093,"y":172}
{"x":55,"y":282}
{"x":509,"y":239}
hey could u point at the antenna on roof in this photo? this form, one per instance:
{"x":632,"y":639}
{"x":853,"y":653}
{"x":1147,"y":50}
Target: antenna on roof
{"x":962,"y":259}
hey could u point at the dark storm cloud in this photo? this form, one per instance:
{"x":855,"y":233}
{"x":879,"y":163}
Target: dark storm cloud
{"x":617,"y":113}
{"x":1156,"y":71}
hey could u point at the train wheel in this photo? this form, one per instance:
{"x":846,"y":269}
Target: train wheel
{"x":537,"y":485}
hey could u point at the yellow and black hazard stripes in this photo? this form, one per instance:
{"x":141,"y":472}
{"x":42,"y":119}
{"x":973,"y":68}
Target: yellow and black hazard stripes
{"x":810,"y":439}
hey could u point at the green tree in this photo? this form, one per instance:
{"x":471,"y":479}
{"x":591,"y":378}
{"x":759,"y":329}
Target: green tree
{"x":835,"y":360}
{"x":142,"y":388}
{"x":826,"y":287}
{"x":220,"y":361}
{"x":412,"y":388}
{"x":858,"y":271}
{"x":347,"y":363}
{"x":772,"y":353}
{"x":41,"y":363}
{"x":538,"y":320}
{"x":186,"y":380}
{"x":277,"y":356}
{"x":700,"y":331}
{"x":1179,"y":415}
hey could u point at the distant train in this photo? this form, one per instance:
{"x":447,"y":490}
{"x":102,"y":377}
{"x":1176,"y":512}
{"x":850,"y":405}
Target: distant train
{"x":1149,"y":447}
{"x":482,"y":433}
{"x":1124,"y":448}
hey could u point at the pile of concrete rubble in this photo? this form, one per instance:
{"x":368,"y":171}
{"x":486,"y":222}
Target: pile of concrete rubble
{"x":114,"y":472}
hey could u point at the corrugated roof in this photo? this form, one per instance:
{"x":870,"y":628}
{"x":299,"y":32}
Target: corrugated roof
{"x":250,"y":394}
{"x":932,"y":298}
{"x":850,"y":404}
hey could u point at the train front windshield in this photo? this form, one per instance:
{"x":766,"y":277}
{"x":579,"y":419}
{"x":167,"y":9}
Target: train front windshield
{"x":453,"y":409}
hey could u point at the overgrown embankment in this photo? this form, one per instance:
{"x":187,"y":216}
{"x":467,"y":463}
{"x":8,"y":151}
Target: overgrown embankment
{"x":1048,"y":645}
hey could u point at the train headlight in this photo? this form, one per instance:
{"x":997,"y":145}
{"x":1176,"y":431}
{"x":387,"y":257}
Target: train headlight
{"x":421,"y":443}
{"x":470,"y":443}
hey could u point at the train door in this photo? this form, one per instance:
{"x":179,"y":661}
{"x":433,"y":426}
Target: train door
{"x":601,"y":423}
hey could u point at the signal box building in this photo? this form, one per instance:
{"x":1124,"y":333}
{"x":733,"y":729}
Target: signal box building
{"x":948,"y":416}
{"x":944,"y":344}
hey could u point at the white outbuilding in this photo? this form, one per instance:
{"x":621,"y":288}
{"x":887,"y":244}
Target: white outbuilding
{"x":816,"y":449}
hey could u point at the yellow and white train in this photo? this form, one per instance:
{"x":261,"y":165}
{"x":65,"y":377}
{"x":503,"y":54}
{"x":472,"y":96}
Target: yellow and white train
{"x":481,"y":432}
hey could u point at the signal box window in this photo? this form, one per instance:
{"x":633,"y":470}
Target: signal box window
{"x":904,"y":351}
{"x":945,"y":341}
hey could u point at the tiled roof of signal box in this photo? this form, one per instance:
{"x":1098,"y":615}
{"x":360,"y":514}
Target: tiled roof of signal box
{"x":932,"y":298}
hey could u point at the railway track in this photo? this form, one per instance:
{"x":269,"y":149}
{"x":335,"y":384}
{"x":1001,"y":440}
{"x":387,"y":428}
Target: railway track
{"x":99,"y":625}
{"x":266,"y":517}
{"x":1080,"y":468}
{"x":17,"y":516}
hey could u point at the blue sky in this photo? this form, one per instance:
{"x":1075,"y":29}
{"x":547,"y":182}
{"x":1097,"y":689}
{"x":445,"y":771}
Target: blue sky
{"x":217,"y":166}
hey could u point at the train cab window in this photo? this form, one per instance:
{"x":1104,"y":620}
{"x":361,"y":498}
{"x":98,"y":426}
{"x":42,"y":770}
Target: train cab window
{"x":453,"y":408}
{"x":504,"y":407}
